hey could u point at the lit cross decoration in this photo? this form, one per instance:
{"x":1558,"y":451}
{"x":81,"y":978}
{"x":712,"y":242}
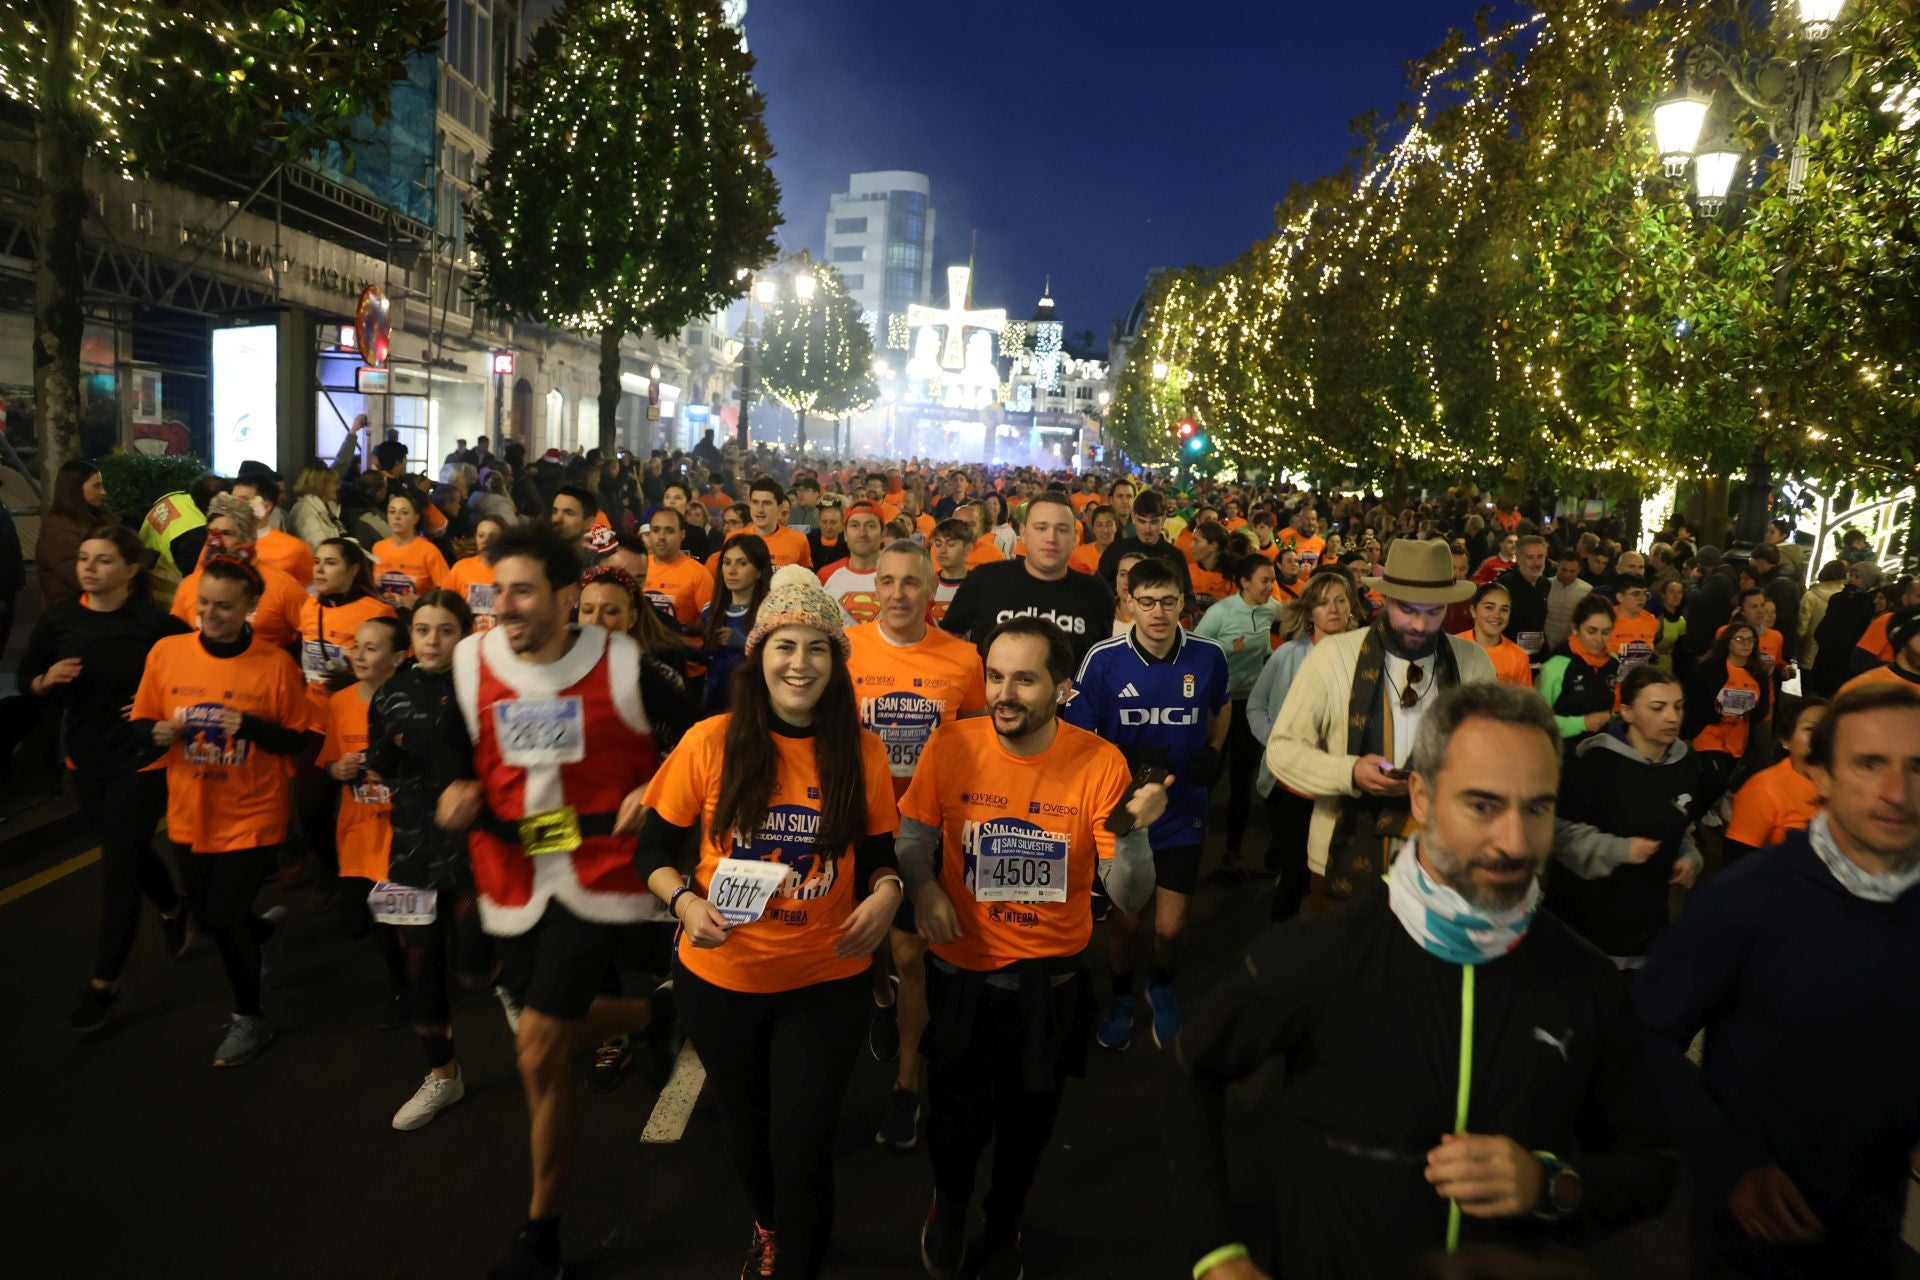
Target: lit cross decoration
{"x":955,"y":319}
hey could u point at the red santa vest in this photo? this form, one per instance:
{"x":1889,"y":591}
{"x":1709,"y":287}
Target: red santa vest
{"x":547,"y":737}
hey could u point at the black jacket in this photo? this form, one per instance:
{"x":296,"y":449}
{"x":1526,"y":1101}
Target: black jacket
{"x":405,"y":724}
{"x":1709,"y":608}
{"x":1369,"y":1024}
{"x":1812,"y":1016}
{"x":1529,"y":605}
{"x":1609,"y":794}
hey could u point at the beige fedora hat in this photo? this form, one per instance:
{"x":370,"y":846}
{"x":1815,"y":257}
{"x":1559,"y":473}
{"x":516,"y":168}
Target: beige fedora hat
{"x":1421,"y":573}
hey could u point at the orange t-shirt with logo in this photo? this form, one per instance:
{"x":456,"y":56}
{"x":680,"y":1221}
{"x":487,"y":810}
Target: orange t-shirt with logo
{"x":1774,"y":801}
{"x":1308,"y":549}
{"x":416,"y":567}
{"x":1208,"y":586}
{"x":364,"y":828}
{"x":286,"y":553}
{"x":1510,"y":664}
{"x":786,"y":546}
{"x":906,"y":691}
{"x":223,"y":793}
{"x":791,"y":945}
{"x":1086,"y":557}
{"x":326,"y":643}
{"x":275,"y":618}
{"x":1633,"y":639}
{"x":472,"y":578}
{"x":1080,"y":500}
{"x":1737,"y":698}
{"x":1020,"y":836}
{"x":681,"y":589}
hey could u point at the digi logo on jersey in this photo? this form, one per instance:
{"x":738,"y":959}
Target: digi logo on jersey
{"x":1181,"y":716}
{"x":786,"y":835}
{"x":1072,"y":624}
{"x":204,"y":741}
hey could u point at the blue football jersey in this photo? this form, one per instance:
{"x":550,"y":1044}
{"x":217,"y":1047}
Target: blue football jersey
{"x":1157,"y":711}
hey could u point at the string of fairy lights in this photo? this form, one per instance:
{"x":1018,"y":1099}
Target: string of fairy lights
{"x":816,"y":355}
{"x":1443,"y":310}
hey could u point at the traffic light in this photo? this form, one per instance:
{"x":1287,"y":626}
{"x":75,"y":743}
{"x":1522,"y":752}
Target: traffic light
{"x":1197,"y":443}
{"x":1187,"y":428}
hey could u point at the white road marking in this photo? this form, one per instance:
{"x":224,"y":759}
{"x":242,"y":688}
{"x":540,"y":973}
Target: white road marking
{"x":674,"y":1107}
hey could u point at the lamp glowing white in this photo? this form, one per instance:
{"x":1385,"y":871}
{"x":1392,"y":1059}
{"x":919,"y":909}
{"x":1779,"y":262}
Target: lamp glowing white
{"x":1677,"y":121}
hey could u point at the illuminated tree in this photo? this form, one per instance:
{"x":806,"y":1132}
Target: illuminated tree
{"x":631,"y":192}
{"x":816,"y":356}
{"x":147,"y":86}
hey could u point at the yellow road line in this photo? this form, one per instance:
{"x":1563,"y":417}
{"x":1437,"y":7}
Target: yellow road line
{"x":14,"y":892}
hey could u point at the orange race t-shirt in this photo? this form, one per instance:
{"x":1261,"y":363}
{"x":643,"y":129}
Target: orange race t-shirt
{"x":985,"y":551}
{"x":286,"y":553}
{"x":326,"y":643}
{"x":223,"y":793}
{"x":791,"y":945}
{"x":1633,"y":639}
{"x":906,"y":691}
{"x":416,"y":567}
{"x":275,"y":619}
{"x":1874,"y":638}
{"x":1736,"y":701}
{"x":1208,"y":586}
{"x":1774,"y":801}
{"x":364,"y":827}
{"x":679,"y":591}
{"x":786,"y":546}
{"x":472,"y":578}
{"x":1086,"y":557}
{"x":1308,"y":549}
{"x":1510,"y":665}
{"x":1020,"y":836}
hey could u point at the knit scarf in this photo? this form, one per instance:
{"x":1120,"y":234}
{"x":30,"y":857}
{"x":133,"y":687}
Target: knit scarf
{"x":1370,"y":826}
{"x":1854,"y":878}
{"x":1443,"y":923}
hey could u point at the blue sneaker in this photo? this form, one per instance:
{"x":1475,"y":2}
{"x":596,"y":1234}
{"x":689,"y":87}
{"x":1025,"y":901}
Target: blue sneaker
{"x":1166,"y":1013}
{"x":1116,"y":1029}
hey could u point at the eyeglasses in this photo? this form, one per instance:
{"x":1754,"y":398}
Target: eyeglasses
{"x":1154,"y":604}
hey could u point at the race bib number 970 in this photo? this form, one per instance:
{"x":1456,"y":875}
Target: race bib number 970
{"x":540,"y":731}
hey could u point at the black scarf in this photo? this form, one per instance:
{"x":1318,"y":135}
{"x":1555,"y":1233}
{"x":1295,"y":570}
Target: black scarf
{"x":1370,"y":826}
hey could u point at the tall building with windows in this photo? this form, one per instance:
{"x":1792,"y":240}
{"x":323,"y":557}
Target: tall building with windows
{"x":880,"y":239}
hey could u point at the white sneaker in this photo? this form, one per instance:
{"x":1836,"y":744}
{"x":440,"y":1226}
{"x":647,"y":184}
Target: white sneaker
{"x":428,"y":1100}
{"x":510,"y":1007}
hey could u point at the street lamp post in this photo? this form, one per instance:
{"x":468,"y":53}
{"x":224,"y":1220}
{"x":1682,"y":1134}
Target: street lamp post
{"x":763,"y":291}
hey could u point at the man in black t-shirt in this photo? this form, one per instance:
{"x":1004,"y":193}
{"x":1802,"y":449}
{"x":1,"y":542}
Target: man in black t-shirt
{"x":1038,"y":585}
{"x":1148,"y":539}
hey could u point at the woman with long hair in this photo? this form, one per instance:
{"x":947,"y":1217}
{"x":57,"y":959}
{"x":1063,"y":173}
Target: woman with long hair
{"x":1729,"y":695}
{"x":610,"y":598}
{"x":771,"y":978}
{"x":85,"y":656}
{"x":471,"y":577}
{"x":406,"y":721}
{"x":1329,"y":604}
{"x":1492,"y":606}
{"x":1579,"y":680}
{"x":740,"y":582}
{"x":315,"y":514}
{"x":343,"y":598}
{"x":77,"y":509}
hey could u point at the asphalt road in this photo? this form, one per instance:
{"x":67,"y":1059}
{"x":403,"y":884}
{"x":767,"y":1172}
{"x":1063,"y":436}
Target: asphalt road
{"x":129,"y":1155}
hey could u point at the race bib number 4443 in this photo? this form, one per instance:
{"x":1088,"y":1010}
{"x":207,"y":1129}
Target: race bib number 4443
{"x":540,"y":731}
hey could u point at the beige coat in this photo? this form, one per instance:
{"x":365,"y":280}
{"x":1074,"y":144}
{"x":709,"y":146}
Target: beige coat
{"x":1307,"y":749}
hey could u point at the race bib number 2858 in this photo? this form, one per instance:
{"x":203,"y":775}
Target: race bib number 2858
{"x":540,"y":731}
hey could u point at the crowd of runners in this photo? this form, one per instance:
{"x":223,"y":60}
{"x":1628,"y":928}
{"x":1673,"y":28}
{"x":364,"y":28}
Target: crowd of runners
{"x":1591,"y":849}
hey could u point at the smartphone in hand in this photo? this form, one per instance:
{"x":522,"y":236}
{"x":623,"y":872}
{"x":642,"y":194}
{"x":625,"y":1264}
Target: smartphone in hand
{"x":1120,"y":821}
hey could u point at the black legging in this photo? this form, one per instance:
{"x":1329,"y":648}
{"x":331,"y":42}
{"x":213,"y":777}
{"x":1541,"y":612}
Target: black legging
{"x":1243,"y":761}
{"x":123,"y":812}
{"x":982,"y":1095}
{"x":779,"y":1066}
{"x":453,"y":945}
{"x":221,"y":888}
{"x":356,"y":921}
{"x":1289,"y":818}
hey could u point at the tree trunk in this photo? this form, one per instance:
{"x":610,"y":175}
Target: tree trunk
{"x":59,"y":292}
{"x":609,"y":389}
{"x":1713,"y":511}
{"x":803,"y":433}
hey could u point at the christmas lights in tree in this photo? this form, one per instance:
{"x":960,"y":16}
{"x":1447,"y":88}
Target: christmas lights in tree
{"x":815,"y":356}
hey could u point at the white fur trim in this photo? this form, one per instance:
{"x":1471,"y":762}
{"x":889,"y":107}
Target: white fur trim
{"x":553,"y":880}
{"x":623,"y":672}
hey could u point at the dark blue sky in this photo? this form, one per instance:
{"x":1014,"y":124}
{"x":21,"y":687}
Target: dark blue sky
{"x":1089,"y":139}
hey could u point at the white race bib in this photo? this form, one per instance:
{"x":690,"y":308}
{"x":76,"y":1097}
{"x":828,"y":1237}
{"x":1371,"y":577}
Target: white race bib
{"x":392,"y":903}
{"x":1531,"y":641}
{"x":1737,"y":702}
{"x":742,"y":887}
{"x":540,"y":731}
{"x":319,"y":660}
{"x":480,"y":600}
{"x":1023,"y":864}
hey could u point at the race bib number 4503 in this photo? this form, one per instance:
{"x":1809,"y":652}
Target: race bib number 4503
{"x":1017,"y":861}
{"x":540,"y":731}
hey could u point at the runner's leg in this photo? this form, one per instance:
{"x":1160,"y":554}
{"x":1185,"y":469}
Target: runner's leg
{"x":731,"y":1030}
{"x":814,"y":1038}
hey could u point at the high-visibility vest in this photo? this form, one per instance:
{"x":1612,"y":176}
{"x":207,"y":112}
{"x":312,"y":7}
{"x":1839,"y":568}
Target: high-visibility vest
{"x":168,"y":518}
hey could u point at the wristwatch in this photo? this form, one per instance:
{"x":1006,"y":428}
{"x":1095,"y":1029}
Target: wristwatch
{"x":1559,"y":1188}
